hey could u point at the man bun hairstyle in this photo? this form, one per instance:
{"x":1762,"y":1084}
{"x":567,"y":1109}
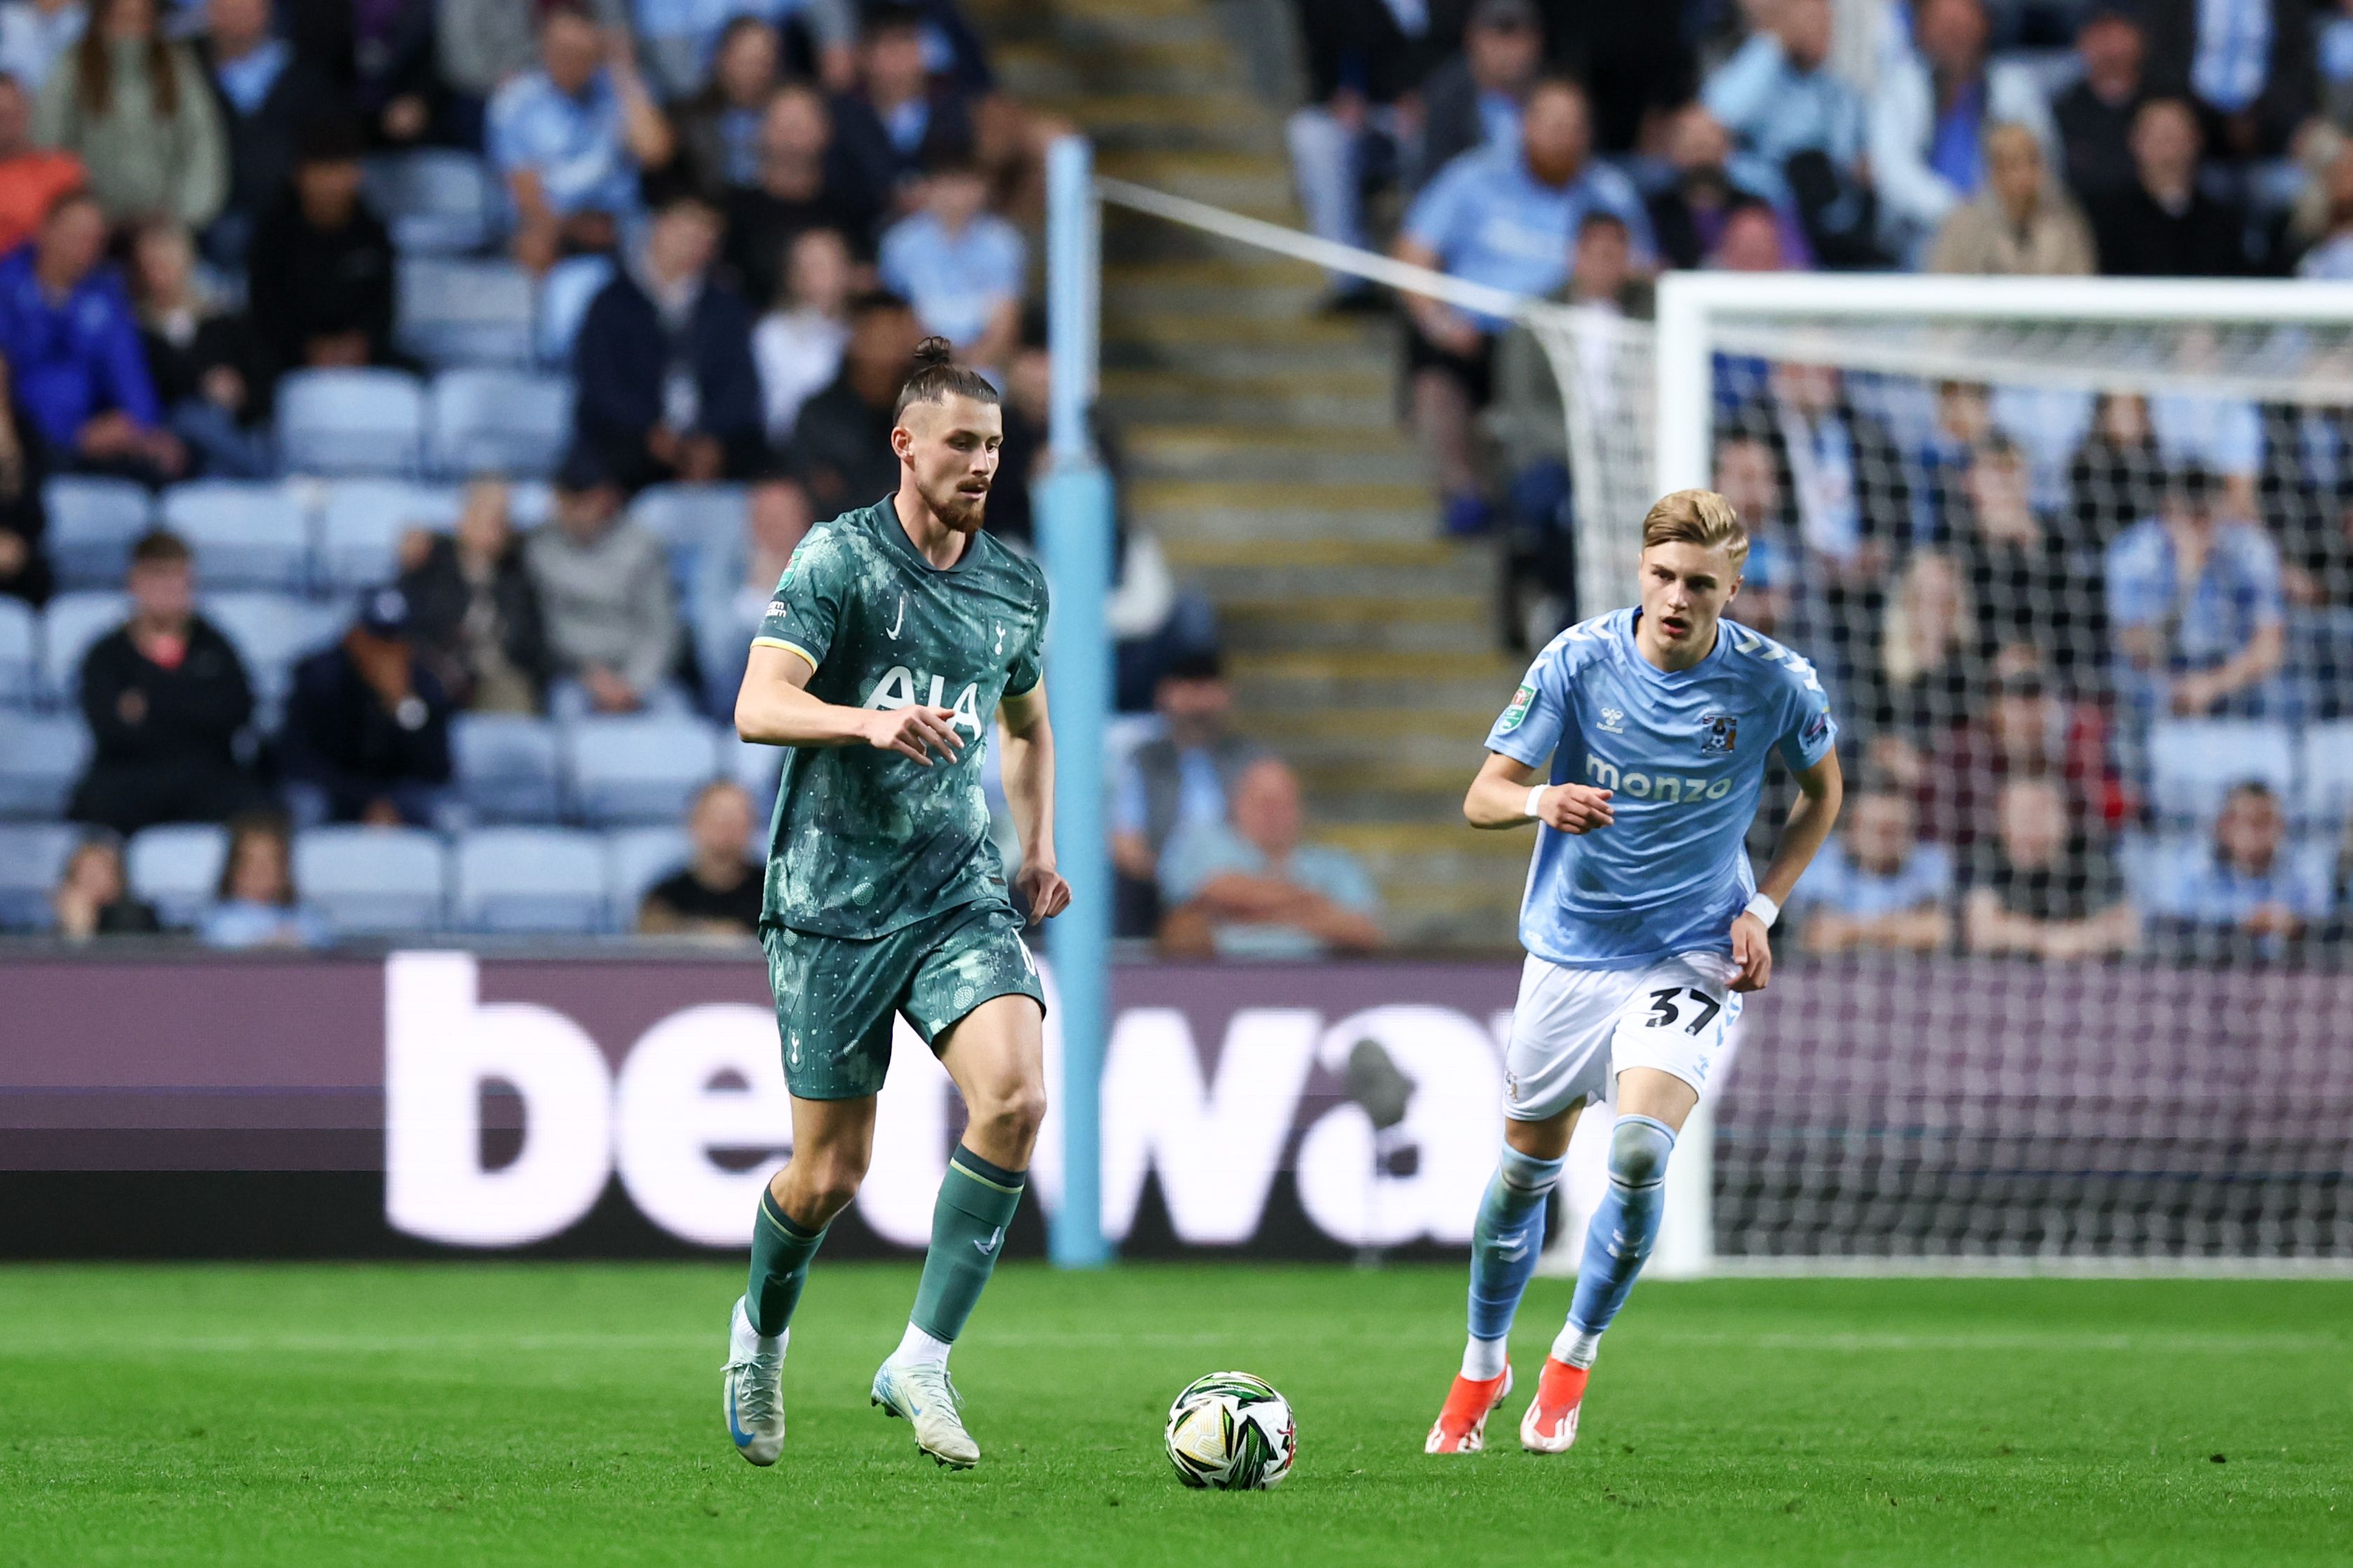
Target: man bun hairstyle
{"x":937,"y":377}
{"x":1696,"y":517}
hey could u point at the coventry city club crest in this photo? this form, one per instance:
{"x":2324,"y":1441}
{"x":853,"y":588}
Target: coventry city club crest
{"x":1717,"y":732}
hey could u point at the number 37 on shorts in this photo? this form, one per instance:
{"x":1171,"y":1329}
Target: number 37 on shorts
{"x":1574,"y":1030}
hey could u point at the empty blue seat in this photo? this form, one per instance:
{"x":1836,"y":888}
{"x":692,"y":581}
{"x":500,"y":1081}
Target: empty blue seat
{"x":92,"y":524}
{"x":363,"y":522}
{"x":273,"y":633}
{"x":507,"y":766}
{"x":177,"y":868}
{"x":564,"y":298}
{"x":637,"y":858}
{"x":41,"y":755}
{"x":2193,"y":762}
{"x":498,"y":422}
{"x":244,"y":535}
{"x":458,"y":312}
{"x":371,"y":881}
{"x":640,"y":768}
{"x":20,"y":653}
{"x":437,"y":200}
{"x":70,"y":624}
{"x":356,"y":422}
{"x":692,"y":521}
{"x":529,"y":879}
{"x":2328,"y":796}
{"x":32,"y":858}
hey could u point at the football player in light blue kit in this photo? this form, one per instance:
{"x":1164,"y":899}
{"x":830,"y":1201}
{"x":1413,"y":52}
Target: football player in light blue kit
{"x":1637,"y":742}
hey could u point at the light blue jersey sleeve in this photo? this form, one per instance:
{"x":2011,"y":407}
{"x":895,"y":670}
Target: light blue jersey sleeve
{"x":1530,"y":729}
{"x":1807,"y":730}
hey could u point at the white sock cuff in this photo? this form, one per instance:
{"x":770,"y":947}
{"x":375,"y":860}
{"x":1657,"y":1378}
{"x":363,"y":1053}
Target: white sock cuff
{"x":1576,"y":1347}
{"x":1483,"y":1359}
{"x":918,"y":1348}
{"x":1525,"y":1172}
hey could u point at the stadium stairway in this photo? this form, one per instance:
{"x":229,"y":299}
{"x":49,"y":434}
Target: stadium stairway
{"x":1263,"y":449}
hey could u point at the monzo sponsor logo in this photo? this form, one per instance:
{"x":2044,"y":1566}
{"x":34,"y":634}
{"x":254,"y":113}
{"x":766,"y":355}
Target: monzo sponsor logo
{"x":1670,"y":789}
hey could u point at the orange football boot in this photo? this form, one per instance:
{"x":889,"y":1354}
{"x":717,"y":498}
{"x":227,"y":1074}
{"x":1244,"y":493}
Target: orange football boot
{"x":1462,"y":1423}
{"x":1550,"y":1425}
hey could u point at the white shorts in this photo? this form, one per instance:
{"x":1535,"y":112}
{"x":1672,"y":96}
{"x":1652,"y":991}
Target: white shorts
{"x":1575,"y":1030}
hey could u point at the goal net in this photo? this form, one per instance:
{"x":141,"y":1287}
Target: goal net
{"x":2074,"y":559}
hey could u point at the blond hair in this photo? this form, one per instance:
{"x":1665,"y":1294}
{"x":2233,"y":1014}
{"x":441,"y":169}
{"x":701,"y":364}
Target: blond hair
{"x":1696,"y":517}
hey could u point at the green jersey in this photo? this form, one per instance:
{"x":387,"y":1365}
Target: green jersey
{"x":866,"y":841}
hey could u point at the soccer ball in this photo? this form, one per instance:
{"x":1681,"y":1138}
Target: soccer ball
{"x":1231,"y":1432}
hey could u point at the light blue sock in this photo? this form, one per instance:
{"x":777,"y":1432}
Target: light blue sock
{"x":1624,"y":1226}
{"x":1503,"y":1247}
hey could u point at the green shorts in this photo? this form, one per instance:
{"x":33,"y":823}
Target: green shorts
{"x":835,"y":994}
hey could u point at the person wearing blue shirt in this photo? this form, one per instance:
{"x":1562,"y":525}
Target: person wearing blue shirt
{"x":2195,"y":611}
{"x":1637,"y":742}
{"x":71,"y":339}
{"x":1879,"y":884}
{"x":1246,"y":888}
{"x":2244,"y":886}
{"x":256,"y":906}
{"x":1505,"y":216}
{"x":1778,"y":97}
{"x":569,"y":138}
{"x":960,"y":266}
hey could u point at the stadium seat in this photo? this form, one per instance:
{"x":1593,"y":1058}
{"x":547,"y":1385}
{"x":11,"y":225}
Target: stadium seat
{"x":638,"y":857}
{"x":549,"y":879}
{"x":2194,"y":761}
{"x":691,"y":520}
{"x":564,"y":298}
{"x":273,"y":633}
{"x":641,"y":768}
{"x":458,"y":312}
{"x":20,"y":653}
{"x":32,"y":857}
{"x":177,"y":868}
{"x":437,"y":201}
{"x":40,"y":757}
{"x":507,"y":766}
{"x":2328,"y":773}
{"x":363,"y":522}
{"x":498,"y":422}
{"x":352,"y":422}
{"x":70,"y":624}
{"x":92,"y":524}
{"x":244,"y":535}
{"x":371,"y":881}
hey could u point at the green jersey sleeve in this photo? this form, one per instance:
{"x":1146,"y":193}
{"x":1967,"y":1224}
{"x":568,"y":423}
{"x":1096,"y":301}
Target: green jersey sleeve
{"x":809,"y":599}
{"x":1029,"y":666}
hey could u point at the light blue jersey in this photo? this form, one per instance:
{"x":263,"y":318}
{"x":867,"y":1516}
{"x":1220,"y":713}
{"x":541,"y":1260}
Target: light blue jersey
{"x":1683,"y":755}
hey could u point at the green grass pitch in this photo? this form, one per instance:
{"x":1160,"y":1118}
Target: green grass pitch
{"x":521,"y":1414}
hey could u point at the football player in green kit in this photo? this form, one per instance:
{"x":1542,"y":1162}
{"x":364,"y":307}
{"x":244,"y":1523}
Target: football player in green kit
{"x":897,"y":633}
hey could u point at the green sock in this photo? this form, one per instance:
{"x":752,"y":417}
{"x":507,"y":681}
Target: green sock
{"x":977,"y":1203}
{"x":781,"y":1251}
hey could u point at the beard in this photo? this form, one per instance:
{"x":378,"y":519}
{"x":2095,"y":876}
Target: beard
{"x":960,"y":509}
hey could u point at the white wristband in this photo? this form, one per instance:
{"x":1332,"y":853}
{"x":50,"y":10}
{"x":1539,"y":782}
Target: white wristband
{"x":1765,"y":910}
{"x":1536,"y":800}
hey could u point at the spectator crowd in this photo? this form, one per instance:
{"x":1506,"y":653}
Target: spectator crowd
{"x":411,"y":407}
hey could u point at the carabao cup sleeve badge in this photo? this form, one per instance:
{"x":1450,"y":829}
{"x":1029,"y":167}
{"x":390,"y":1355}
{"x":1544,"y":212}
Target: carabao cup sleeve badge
{"x":1519,"y":708}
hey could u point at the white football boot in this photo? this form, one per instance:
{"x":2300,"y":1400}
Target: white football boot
{"x":920,"y":1393}
{"x":753,"y":1389}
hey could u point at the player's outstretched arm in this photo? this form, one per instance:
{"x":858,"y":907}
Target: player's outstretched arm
{"x":772,"y":708}
{"x":1505,"y":794}
{"x":1820,"y":789}
{"x":1029,"y":741}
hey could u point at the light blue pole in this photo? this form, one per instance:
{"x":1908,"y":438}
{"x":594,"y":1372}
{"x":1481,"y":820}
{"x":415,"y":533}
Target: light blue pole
{"x":1074,"y":537}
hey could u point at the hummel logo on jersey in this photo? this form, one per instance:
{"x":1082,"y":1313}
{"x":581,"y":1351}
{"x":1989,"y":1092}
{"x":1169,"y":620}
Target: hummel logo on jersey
{"x":987,"y":1248}
{"x":1613,"y":719}
{"x":1717,"y":732}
